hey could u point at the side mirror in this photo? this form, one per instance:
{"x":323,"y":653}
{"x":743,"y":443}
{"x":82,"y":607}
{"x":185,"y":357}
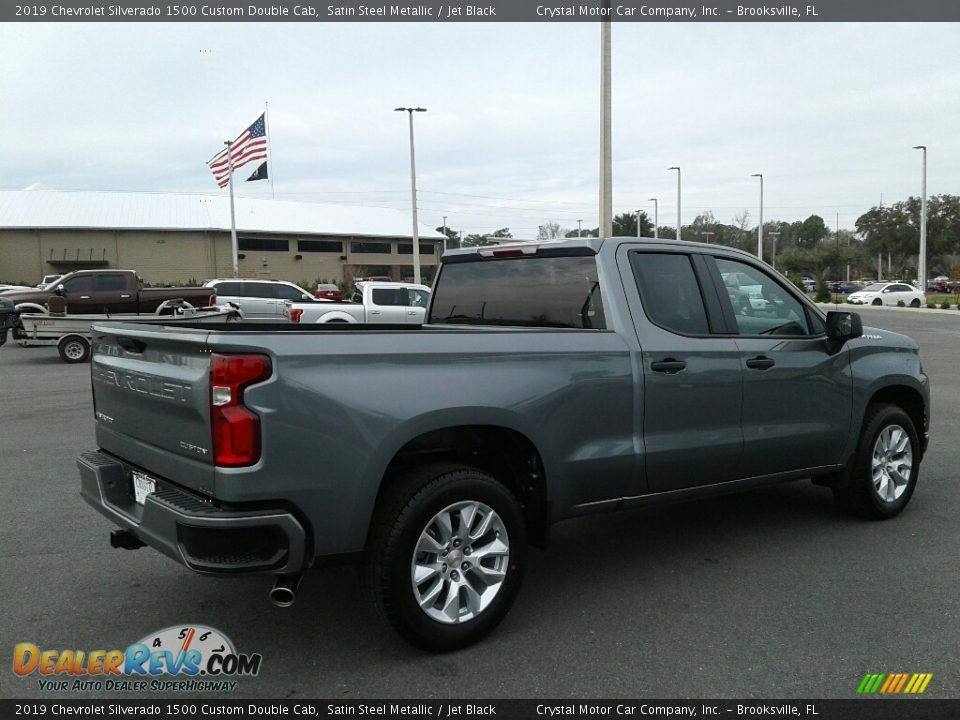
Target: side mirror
{"x":843,"y":326}
{"x":60,"y":289}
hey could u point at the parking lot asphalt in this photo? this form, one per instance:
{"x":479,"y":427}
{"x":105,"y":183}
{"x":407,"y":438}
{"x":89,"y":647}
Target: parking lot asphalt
{"x":769,"y":594}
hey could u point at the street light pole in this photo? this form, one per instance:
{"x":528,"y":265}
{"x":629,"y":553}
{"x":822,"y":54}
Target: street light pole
{"x":579,"y":228}
{"x":774,"y":236}
{"x":922,"y":265}
{"x":413,"y":192}
{"x":638,"y":223}
{"x":678,"y":198}
{"x":760,"y":229}
{"x":656,"y":219}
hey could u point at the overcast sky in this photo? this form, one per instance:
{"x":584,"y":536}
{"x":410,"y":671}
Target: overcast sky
{"x":827,"y":112}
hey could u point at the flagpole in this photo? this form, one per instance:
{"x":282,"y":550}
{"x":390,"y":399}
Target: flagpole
{"x":233,"y":220}
{"x":266,"y":122}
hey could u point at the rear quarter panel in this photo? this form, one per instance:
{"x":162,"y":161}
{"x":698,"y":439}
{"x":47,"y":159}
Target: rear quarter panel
{"x":339,"y":407}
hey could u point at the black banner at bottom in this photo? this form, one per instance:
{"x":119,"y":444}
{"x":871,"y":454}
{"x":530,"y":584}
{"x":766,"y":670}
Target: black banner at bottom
{"x":865,"y":709}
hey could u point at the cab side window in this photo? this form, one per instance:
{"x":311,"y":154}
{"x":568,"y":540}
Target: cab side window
{"x":79,"y":284}
{"x":760,"y":304}
{"x":670,"y":292}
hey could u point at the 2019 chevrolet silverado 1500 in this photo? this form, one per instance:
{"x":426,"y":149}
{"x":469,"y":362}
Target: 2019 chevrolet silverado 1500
{"x":548,"y":381}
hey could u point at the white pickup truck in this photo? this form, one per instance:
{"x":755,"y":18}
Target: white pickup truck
{"x":373,"y":302}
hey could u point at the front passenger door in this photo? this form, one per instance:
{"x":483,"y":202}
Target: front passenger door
{"x":797,"y":394}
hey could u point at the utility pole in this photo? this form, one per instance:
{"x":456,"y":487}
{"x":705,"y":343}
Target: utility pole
{"x":656,"y":219}
{"x":579,"y":228}
{"x":638,"y":223}
{"x":606,"y":154}
{"x":444,"y":233}
{"x":413,"y":192}
{"x":774,"y":236}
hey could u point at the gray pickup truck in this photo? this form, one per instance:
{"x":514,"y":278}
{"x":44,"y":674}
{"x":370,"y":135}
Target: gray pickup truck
{"x":549,"y":381}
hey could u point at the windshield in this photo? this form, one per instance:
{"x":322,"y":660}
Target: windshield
{"x":875,"y":287}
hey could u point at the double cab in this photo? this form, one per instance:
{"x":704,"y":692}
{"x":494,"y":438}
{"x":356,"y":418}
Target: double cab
{"x":548,"y":381}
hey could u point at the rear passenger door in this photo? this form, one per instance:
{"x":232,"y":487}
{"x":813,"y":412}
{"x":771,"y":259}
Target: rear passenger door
{"x":387,"y":305}
{"x":113,"y":295}
{"x":692,"y":378}
{"x":797,"y":394}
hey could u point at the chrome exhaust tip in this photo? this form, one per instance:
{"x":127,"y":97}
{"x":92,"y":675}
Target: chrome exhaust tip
{"x":284,"y":591}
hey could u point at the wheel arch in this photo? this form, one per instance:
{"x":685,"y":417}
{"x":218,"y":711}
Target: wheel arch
{"x":910,"y":400}
{"x":500,"y":449}
{"x":336,"y":316}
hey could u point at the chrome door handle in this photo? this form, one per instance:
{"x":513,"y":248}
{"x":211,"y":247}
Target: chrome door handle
{"x":411,"y":312}
{"x":124,"y":296}
{"x":84,"y":297}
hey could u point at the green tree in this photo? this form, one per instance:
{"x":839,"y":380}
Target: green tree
{"x":625,"y":225}
{"x":811,"y":231}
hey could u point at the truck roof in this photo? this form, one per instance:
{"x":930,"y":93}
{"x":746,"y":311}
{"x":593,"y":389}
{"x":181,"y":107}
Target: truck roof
{"x":591,"y":244}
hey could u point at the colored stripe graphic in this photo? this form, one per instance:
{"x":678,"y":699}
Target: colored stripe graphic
{"x":894,"y":683}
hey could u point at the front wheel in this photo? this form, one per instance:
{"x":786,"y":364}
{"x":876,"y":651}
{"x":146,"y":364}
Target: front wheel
{"x":877,"y":301}
{"x":886,"y":465}
{"x":446,"y":555}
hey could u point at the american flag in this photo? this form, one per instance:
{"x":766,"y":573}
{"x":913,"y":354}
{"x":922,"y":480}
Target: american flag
{"x":250,"y":146}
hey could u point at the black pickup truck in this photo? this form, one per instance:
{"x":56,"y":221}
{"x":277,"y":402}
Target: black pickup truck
{"x":106,"y":291}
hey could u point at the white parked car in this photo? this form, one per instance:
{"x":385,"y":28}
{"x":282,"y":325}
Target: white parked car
{"x":373,"y":302}
{"x":259,"y":299}
{"x":882,"y":293}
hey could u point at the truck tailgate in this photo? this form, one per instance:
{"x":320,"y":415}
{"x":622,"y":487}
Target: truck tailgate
{"x":151,"y":394}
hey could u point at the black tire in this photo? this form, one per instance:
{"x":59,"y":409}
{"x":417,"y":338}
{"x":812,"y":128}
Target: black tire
{"x":915,"y":303}
{"x":402,"y":515}
{"x":74,"y":349}
{"x":857,"y":494}
{"x":877,"y":301}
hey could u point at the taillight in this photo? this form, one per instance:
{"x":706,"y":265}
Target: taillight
{"x":236,"y":429}
{"x":212,"y":300}
{"x":295,"y":314}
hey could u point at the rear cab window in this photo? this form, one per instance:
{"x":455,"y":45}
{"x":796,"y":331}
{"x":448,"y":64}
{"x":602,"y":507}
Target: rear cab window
{"x":531,"y":291}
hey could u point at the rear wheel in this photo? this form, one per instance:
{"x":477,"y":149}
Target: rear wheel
{"x":446,"y":556}
{"x":74,"y":349}
{"x":915,"y":303}
{"x":887,"y":464}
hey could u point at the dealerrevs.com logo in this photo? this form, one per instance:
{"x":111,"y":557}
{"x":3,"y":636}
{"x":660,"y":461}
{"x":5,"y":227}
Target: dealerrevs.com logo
{"x":197,"y":657}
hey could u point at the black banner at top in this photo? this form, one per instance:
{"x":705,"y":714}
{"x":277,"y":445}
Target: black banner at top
{"x":481,"y":11}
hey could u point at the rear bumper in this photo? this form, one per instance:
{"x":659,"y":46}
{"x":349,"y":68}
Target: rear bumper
{"x":198,"y":534}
